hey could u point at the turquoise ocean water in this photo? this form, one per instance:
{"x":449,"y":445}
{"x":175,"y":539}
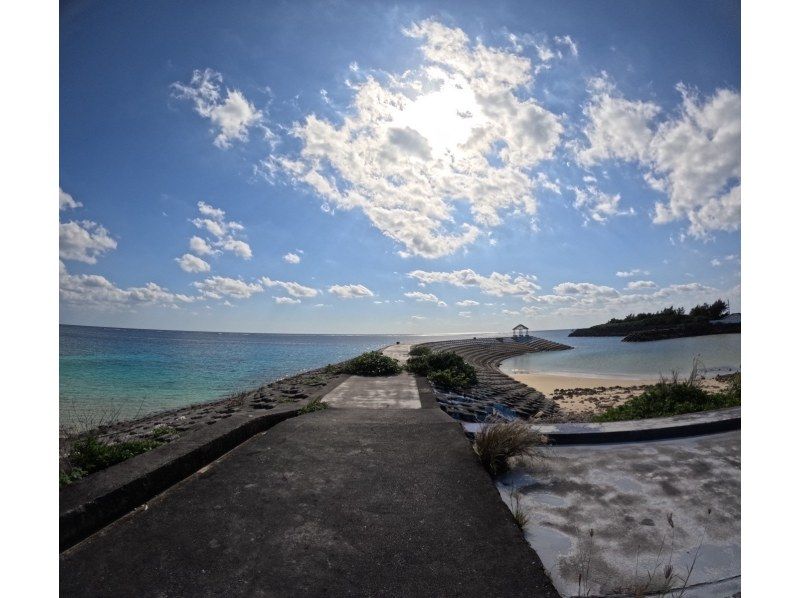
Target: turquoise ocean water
{"x":610,"y":357}
{"x":128,"y":372}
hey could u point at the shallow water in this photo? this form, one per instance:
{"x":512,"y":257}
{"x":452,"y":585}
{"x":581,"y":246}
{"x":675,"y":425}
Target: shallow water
{"x":610,"y":357}
{"x":121,"y":373}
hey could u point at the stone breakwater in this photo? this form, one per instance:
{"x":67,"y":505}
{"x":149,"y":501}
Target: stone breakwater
{"x":170,"y":424}
{"x":495,"y":391}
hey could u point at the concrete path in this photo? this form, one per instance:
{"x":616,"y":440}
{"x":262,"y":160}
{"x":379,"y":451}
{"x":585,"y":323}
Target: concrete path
{"x":360,"y":392}
{"x":398,"y":351}
{"x":343,"y":502}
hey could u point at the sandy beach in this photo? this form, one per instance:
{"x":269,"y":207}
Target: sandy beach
{"x":581,"y":396}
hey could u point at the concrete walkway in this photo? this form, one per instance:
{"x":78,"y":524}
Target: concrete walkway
{"x":360,"y":392}
{"x":350,"y":501}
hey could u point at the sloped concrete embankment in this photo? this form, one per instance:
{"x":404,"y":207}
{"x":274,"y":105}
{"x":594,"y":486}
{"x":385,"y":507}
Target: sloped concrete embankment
{"x":495,"y":390}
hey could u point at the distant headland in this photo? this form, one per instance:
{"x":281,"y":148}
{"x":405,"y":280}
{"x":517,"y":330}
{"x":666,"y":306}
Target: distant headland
{"x":670,"y":322}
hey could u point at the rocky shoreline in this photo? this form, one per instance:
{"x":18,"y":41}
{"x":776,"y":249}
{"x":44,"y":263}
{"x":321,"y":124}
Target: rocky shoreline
{"x":171,"y":424}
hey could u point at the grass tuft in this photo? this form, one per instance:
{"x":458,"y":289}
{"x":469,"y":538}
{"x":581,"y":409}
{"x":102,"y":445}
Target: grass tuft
{"x":315,"y":405}
{"x":497,"y":444}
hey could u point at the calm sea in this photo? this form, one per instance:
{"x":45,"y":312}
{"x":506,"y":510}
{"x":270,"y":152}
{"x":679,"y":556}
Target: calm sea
{"x":121,"y":372}
{"x":128,"y":372}
{"x":610,"y":357}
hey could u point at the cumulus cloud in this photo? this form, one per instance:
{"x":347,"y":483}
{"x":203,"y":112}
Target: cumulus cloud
{"x":200,"y":246}
{"x":66,"y":201}
{"x":286,"y":300}
{"x":224,"y":233}
{"x":495,"y":284}
{"x":350,"y":291}
{"x":460,"y":130}
{"x":617,"y":128}
{"x":584,"y":289}
{"x":693,"y":157}
{"x":291,"y":258}
{"x":425,"y":297}
{"x":217,"y":287}
{"x":83,"y":241}
{"x":632,"y":273}
{"x":467,"y":303}
{"x":97,"y":291}
{"x":192,"y":263}
{"x":598,"y":206}
{"x":231,"y":114}
{"x":641,"y":284}
{"x":295,"y":289}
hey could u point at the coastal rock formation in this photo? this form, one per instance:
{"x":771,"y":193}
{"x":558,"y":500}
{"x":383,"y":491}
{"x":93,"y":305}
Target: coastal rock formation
{"x":495,"y":391}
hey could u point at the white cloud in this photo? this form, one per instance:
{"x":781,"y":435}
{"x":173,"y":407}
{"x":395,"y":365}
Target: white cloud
{"x":224,"y":232}
{"x":694,"y":157}
{"x":217,"y":287}
{"x":232,"y":115}
{"x":495,"y":284}
{"x":584,"y":289}
{"x":199,"y":246}
{"x":66,"y":201}
{"x":566,"y":40}
{"x":425,"y":297}
{"x":285,"y":300}
{"x":192,"y":263}
{"x":716,"y":263}
{"x":465,"y":314}
{"x":295,"y":289}
{"x":350,"y":291}
{"x":467,"y":303}
{"x":617,"y":128}
{"x":415,"y":146}
{"x":597,"y":205}
{"x":83,"y":241}
{"x":97,"y":291}
{"x":632,"y":273}
{"x":641,"y":284}
{"x":291,"y":258}
{"x":418,"y":318}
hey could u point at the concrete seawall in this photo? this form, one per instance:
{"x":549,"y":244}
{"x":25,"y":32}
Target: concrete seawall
{"x":495,"y":390}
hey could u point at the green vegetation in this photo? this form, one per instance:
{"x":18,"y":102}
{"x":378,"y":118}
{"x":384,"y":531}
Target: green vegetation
{"x":372,"y":363}
{"x":445,"y":369}
{"x":160,"y":432}
{"x":497,"y":444}
{"x":672,"y":318}
{"x":88,"y":454}
{"x":315,"y":405}
{"x":674,"y":397}
{"x":418,"y":350}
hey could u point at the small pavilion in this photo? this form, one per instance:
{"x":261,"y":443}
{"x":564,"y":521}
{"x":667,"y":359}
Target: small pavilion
{"x":520,"y":330}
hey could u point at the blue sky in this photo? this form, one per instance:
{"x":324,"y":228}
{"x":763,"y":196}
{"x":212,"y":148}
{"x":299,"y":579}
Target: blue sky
{"x":367,"y":167}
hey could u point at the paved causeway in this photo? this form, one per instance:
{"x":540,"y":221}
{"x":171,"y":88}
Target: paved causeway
{"x":360,"y":392}
{"x":380,"y":495}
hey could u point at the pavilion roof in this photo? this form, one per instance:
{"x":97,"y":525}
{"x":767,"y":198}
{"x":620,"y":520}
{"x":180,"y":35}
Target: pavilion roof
{"x":520,"y":327}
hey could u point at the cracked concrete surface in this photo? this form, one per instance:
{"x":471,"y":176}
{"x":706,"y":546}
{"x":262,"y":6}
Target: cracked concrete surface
{"x":602,"y":512}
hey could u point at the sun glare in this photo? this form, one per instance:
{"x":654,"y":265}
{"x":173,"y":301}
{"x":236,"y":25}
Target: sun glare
{"x":445,"y":117}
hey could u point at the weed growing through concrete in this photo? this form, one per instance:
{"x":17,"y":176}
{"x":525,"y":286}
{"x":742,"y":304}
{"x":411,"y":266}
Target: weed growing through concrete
{"x":497,"y":443}
{"x":519,"y":512}
{"x":315,"y":405}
